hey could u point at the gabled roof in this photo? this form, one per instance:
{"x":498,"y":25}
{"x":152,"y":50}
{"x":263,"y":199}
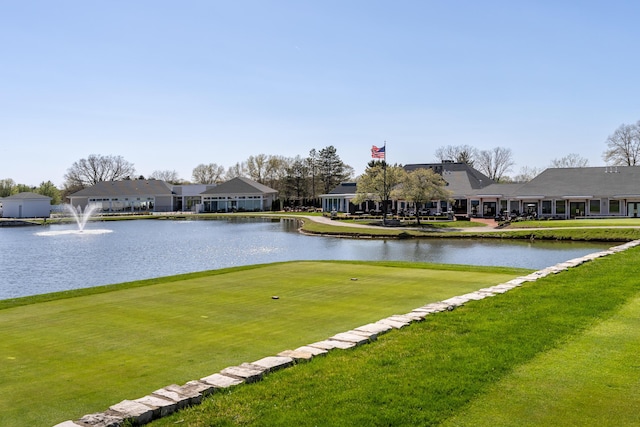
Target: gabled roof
{"x":132,"y":187}
{"x":611,"y":181}
{"x":461,"y":178}
{"x":344,"y":188}
{"x":499,"y":190}
{"x":239,"y":185}
{"x":26,"y":196}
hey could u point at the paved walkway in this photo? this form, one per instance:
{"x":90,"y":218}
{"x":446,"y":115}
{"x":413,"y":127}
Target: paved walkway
{"x":491,"y":225}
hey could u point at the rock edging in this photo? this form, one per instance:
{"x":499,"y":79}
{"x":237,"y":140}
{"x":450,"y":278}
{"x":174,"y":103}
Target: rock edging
{"x":172,"y":398}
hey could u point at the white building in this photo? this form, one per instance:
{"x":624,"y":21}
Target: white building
{"x":26,"y":205}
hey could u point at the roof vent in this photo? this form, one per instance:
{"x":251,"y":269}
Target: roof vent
{"x":611,"y":169}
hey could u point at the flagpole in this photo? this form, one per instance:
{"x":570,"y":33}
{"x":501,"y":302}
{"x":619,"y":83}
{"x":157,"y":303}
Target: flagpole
{"x":384,"y":184}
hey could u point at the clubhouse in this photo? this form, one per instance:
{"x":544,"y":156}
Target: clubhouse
{"x":608,"y":191}
{"x":562,"y":193}
{"x":140,"y":195}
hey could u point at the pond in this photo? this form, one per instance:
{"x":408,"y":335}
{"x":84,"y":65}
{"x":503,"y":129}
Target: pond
{"x":36,"y":260}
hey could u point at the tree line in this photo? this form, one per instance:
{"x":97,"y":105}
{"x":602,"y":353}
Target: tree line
{"x":298,"y":180}
{"x":306,"y":177}
{"x":495,"y":163}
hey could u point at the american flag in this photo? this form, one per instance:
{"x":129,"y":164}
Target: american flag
{"x":378,"y":153}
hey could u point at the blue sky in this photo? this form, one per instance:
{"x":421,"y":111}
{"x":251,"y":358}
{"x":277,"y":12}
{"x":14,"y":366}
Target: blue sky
{"x":172,"y":84}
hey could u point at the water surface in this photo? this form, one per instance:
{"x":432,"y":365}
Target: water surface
{"x":36,"y":260}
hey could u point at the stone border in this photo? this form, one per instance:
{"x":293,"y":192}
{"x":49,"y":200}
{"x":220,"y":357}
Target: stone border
{"x":172,"y":398}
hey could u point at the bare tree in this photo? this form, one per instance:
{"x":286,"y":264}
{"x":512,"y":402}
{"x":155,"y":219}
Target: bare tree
{"x":297,"y":178}
{"x":97,"y":168}
{"x":257,"y":167}
{"x":276,"y":172}
{"x":572,"y":160}
{"x":457,"y":153}
{"x":312,"y":165}
{"x":526,"y":174}
{"x":170,"y":176}
{"x":623,"y":146}
{"x":495,"y":163}
{"x":207,"y":174}
{"x":237,"y":170}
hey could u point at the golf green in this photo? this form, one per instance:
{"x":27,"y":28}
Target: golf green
{"x":68,"y":357}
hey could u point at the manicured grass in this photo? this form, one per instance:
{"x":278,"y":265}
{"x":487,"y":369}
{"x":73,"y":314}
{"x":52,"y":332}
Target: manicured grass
{"x":80,"y":352}
{"x":595,"y":378}
{"x":309,"y":226}
{"x":576,"y":234}
{"x":605,"y":222}
{"x":430,"y":372}
{"x":604,"y":234}
{"x":425,"y":225}
{"x":435,"y":229}
{"x":576,"y":230}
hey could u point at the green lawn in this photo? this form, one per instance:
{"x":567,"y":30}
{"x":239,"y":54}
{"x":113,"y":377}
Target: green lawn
{"x":71,"y":354}
{"x":585,"y":234}
{"x":604,"y":222}
{"x":614,"y":230}
{"x":595,"y":378}
{"x":560,"y":351}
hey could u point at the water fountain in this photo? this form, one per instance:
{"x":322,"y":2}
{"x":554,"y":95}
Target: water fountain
{"x":81,"y":217}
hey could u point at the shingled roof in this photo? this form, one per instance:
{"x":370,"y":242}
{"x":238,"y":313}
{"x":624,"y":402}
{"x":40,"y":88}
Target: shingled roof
{"x":239,"y":186}
{"x":612,"y":181}
{"x":461,"y":178}
{"x":26,"y":196}
{"x":345,"y":188}
{"x":133,"y":187}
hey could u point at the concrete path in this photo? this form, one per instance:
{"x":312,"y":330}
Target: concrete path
{"x":490,"y":225}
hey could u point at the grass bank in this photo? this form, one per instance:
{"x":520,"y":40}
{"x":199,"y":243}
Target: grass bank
{"x":72,"y":353}
{"x":452,"y":367}
{"x":583,"y":233}
{"x":618,"y":234}
{"x":580,"y":223}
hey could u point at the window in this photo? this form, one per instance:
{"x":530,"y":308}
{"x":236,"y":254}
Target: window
{"x":594,"y":206}
{"x":614,"y":206}
{"x":474,"y":207}
{"x":546,"y":207}
{"x":561,"y":207}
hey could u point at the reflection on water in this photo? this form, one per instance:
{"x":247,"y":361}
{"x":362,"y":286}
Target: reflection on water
{"x":36,"y":261}
{"x":79,"y":232}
